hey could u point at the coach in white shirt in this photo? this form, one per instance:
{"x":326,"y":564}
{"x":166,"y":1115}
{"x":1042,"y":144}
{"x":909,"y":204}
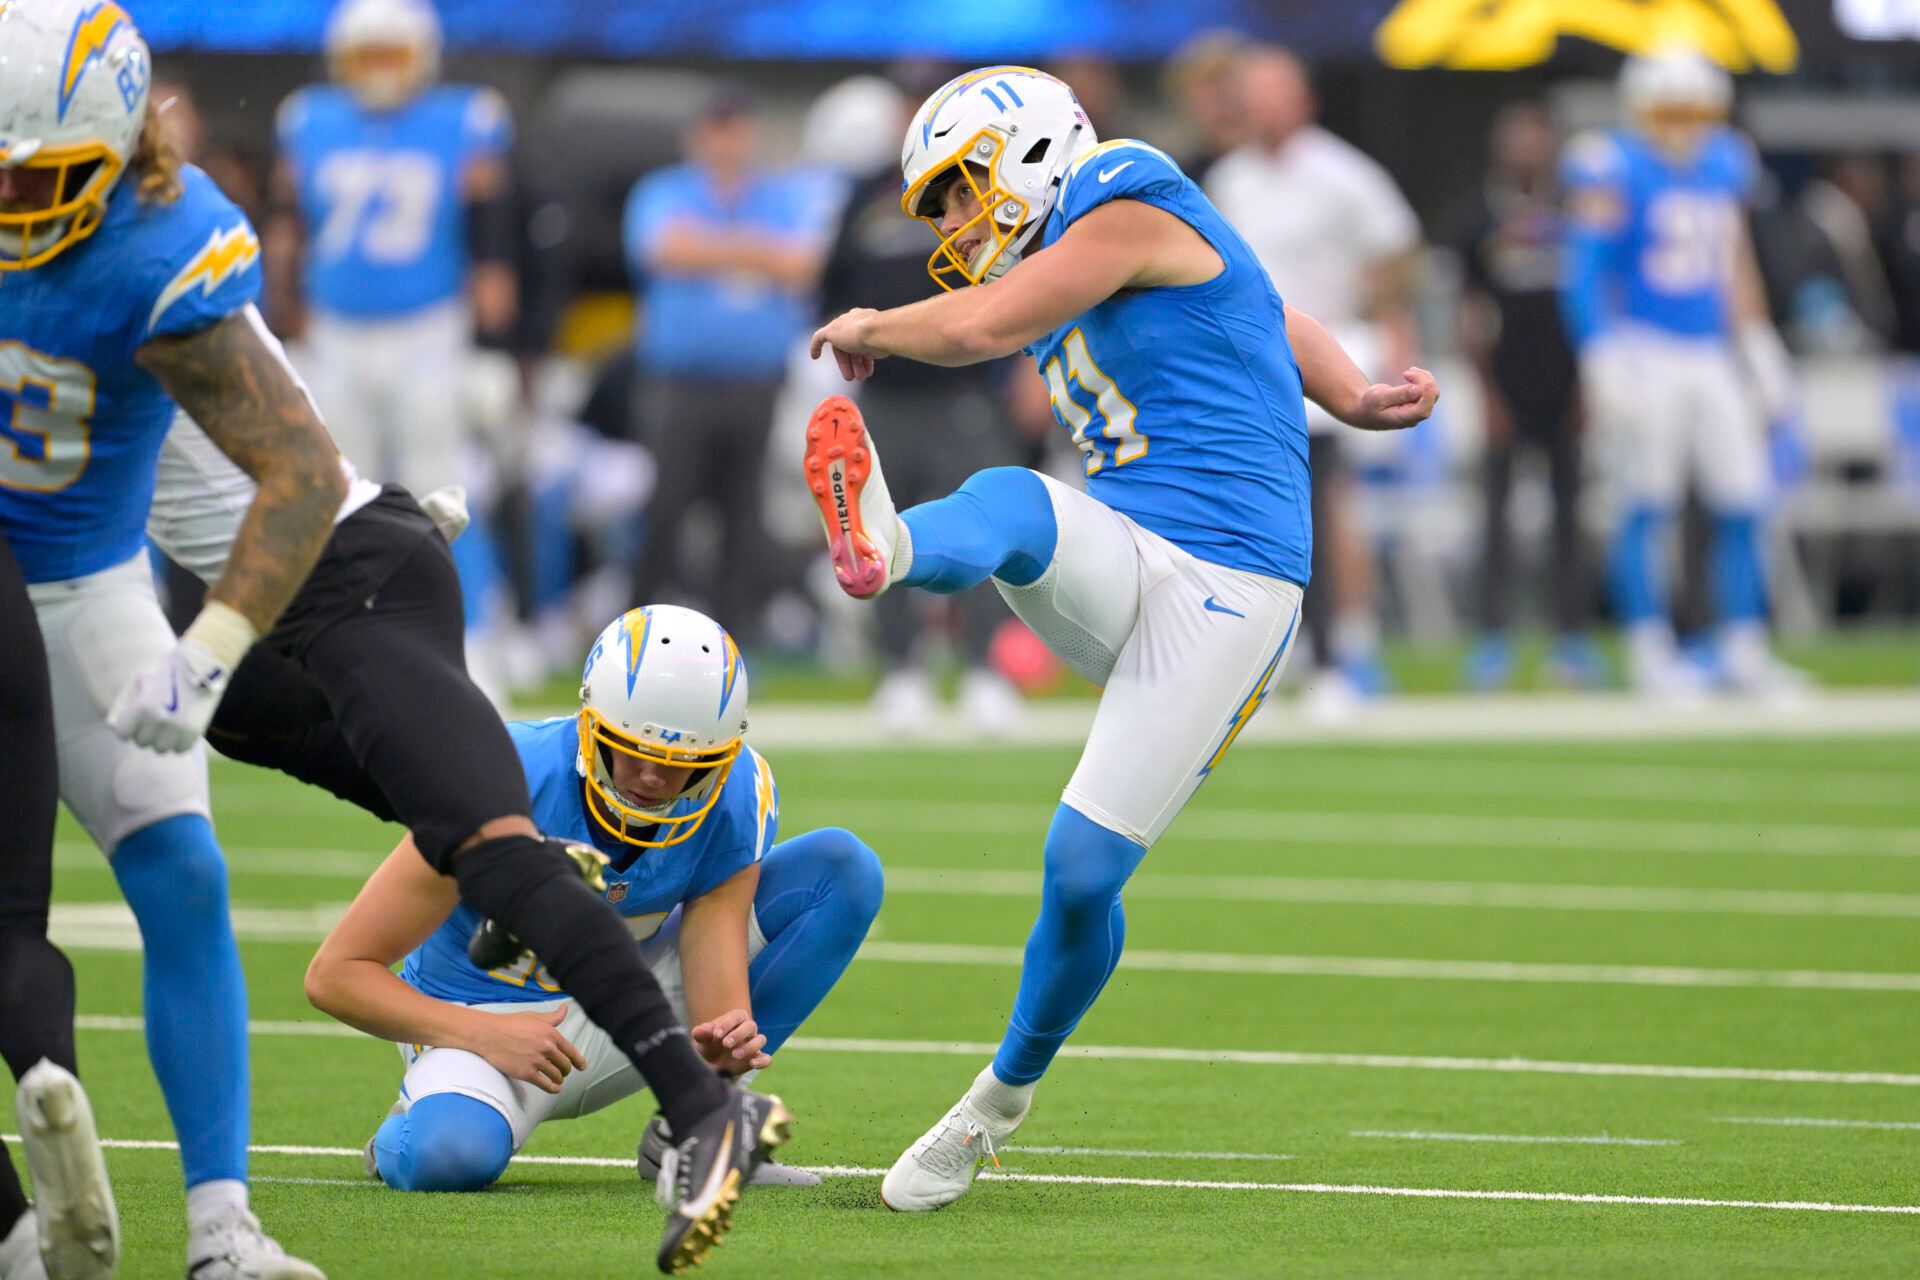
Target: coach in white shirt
{"x":1338,"y":238}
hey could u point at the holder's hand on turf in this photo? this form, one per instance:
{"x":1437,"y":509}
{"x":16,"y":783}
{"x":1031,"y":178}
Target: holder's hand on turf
{"x":731,"y":1043}
{"x":169,"y":705}
{"x":846,"y":334}
{"x":528,"y":1046}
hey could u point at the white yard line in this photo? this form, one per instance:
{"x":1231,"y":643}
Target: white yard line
{"x":1184,"y":1184}
{"x":1813,"y":1122}
{"x":1146,"y":961}
{"x":1210,"y":1057}
{"x":958,"y":882}
{"x":1517,"y":1139}
{"x":1132,"y":1153}
{"x":1543,"y":835}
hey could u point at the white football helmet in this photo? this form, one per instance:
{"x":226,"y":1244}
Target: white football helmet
{"x":1023,"y":128}
{"x":666,"y":685}
{"x":383,"y":52}
{"x":1674,"y":81}
{"x":73,"y":99}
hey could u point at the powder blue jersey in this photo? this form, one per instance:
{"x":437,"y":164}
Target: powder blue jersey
{"x":1667,"y":229}
{"x":80,"y":422}
{"x":380,"y":193}
{"x":737,"y":833}
{"x":1186,"y":401}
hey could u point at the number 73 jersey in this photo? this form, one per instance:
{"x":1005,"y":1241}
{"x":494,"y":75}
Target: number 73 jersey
{"x":1185,"y":400}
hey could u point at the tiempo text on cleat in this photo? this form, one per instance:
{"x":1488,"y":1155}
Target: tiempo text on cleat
{"x":843,"y":474}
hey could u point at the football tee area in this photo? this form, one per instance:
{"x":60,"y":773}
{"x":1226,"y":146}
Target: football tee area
{"x":1540,"y":988}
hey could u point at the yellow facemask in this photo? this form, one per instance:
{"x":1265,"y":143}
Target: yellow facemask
{"x":949,"y":269}
{"x":711,"y":769}
{"x":79,"y":200}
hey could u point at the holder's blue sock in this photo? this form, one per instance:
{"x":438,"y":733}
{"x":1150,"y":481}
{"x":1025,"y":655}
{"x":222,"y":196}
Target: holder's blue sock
{"x":999,"y":524}
{"x":818,"y":894}
{"x":1074,"y":944}
{"x":174,"y":878}
{"x":444,"y":1142}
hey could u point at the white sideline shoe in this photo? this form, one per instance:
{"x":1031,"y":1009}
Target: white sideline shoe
{"x":72,"y":1199}
{"x":938,"y":1169}
{"x":233,"y":1247}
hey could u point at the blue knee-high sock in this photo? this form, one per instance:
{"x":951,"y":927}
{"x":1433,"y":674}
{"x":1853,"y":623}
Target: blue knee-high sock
{"x":444,"y":1142}
{"x":818,"y":894}
{"x":1639,"y":585}
{"x":476,"y":560}
{"x":1074,"y":944}
{"x":1739,"y":578}
{"x":999,"y":524}
{"x":174,"y":878}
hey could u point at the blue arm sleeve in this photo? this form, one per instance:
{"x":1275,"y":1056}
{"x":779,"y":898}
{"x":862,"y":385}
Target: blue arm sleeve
{"x":1594,"y":174}
{"x":1582,"y":286}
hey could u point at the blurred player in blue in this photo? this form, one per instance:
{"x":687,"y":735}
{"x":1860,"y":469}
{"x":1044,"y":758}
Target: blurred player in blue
{"x":127,"y":284}
{"x":402,"y":193}
{"x":1173,"y":581}
{"x":1680,"y":366}
{"x":746,"y":935}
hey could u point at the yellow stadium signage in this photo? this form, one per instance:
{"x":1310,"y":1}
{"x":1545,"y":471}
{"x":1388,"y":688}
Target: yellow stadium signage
{"x":1500,"y":35}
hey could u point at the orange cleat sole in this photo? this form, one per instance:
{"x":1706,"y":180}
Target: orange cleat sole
{"x":838,"y":462}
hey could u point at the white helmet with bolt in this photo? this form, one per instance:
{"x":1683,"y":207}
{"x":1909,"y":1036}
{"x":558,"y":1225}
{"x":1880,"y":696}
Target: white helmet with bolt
{"x":663,"y":685}
{"x":73,"y":100}
{"x":1675,"y":79}
{"x":363,"y":39}
{"x":1020,"y":126}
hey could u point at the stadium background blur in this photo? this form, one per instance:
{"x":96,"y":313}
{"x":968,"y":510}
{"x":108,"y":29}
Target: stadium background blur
{"x":569,"y":433}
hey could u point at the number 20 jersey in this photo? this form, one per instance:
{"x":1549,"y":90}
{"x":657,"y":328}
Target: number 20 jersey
{"x":1186,"y":400}
{"x":1668,"y":225}
{"x":80,"y":423}
{"x":380,"y":193}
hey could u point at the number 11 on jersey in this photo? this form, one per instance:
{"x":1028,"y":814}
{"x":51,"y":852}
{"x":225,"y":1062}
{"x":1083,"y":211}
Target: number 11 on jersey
{"x":1116,"y":411}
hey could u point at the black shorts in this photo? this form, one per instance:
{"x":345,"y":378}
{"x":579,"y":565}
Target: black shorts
{"x":362,"y":687}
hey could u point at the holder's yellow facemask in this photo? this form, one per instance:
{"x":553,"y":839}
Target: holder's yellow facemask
{"x":927,"y":200}
{"x":51,"y":199}
{"x":620,"y":818}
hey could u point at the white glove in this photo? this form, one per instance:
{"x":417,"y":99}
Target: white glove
{"x":167,"y":706}
{"x":1607,"y":379}
{"x":1771,"y":369}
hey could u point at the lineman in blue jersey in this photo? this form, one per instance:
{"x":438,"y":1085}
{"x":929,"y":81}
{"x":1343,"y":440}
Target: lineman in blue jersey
{"x":746,"y":935}
{"x":1679,"y":362}
{"x":126,"y":287}
{"x":401,"y":189}
{"x":1174,"y":580}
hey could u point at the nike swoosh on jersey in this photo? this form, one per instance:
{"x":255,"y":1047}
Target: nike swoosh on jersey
{"x":1212,"y":605}
{"x":1108,"y":174}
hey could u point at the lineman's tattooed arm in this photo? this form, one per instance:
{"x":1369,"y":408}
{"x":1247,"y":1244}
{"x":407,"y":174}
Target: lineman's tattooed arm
{"x":234,"y":381}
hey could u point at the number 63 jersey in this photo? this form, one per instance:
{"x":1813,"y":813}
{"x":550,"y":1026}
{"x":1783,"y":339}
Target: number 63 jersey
{"x":81,"y":424}
{"x":1185,"y":400}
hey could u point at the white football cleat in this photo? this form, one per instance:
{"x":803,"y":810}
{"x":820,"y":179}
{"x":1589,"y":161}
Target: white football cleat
{"x":233,"y":1247}
{"x":72,"y":1199}
{"x":843,"y":472}
{"x":20,"y":1250}
{"x":938,"y":1169}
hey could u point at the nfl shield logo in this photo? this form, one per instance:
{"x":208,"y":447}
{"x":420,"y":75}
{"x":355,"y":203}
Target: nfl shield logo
{"x":616,"y":891}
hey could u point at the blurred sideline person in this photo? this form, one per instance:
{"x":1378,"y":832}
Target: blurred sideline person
{"x":724,"y":255}
{"x":1198,"y":84}
{"x":1338,"y":238}
{"x":941,"y":425}
{"x":1515,"y":340}
{"x":746,"y":935}
{"x":71,"y":1229}
{"x":1679,"y":362}
{"x":1172,"y":580}
{"x":400,"y":189}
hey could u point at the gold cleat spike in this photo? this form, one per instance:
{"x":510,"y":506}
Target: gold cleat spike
{"x":590,"y":862}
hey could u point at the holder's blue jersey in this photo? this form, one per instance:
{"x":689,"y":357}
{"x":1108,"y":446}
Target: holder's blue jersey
{"x":737,"y":833}
{"x":380,"y":193}
{"x":1662,"y":232}
{"x":80,"y":422}
{"x":1185,"y":400}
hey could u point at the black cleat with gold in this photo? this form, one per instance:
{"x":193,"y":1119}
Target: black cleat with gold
{"x":702,"y":1175}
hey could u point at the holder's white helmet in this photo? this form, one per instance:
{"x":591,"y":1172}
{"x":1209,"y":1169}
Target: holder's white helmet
{"x":665,"y":685}
{"x":1023,"y":127}
{"x":73,"y":99}
{"x":383,"y":51}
